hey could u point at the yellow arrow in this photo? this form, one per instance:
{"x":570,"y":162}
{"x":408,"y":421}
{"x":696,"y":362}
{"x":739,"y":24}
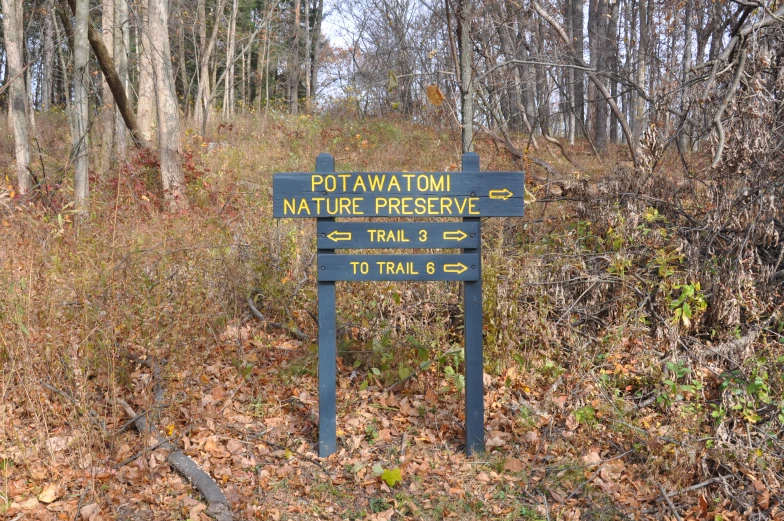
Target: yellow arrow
{"x":501,"y":194}
{"x":455,"y":268}
{"x":340,"y":236}
{"x":458,"y":235}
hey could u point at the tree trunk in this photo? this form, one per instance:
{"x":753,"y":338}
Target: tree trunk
{"x":107,"y":105}
{"x":466,"y":81}
{"x":17,"y":120}
{"x":228,"y":93}
{"x":81,"y":81}
{"x":642,"y":61}
{"x":120,"y":43}
{"x":687,"y":43}
{"x":293,"y":79}
{"x":203,"y":94}
{"x":145,"y":101}
{"x":578,"y":41}
{"x":184,"y":83}
{"x":168,"y":111}
{"x":47,"y":87}
{"x":307,"y":57}
{"x":314,"y":64}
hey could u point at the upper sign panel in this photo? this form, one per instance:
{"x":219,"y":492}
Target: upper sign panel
{"x":398,"y":194}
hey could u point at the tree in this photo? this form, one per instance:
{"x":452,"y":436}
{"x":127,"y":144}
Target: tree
{"x":81,"y":81}
{"x":466,"y":84}
{"x":15,"y":75}
{"x":168,"y":110}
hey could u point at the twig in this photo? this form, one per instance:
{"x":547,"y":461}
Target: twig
{"x":141,"y":453}
{"x":698,"y":486}
{"x":670,"y":504}
{"x":79,"y":408}
{"x":293,"y":330}
{"x":297,"y":454}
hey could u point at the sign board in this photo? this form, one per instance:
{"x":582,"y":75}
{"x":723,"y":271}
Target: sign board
{"x":398,"y":267}
{"x":469,"y":194}
{"x":398,"y":194}
{"x":406,"y":235}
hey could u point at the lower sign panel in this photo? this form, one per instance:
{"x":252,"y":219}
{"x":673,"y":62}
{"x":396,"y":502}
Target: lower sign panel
{"x":398,"y":267}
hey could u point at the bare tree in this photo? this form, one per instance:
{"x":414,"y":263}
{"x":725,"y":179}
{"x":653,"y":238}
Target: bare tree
{"x":14,"y":47}
{"x":168,"y":111}
{"x":466,"y":83}
{"x":81,"y":82}
{"x":145,"y":102}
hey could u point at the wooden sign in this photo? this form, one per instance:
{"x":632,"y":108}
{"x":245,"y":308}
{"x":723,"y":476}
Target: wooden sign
{"x":408,"y":235}
{"x":398,"y":267}
{"x":469,"y":194}
{"x":398,"y":194}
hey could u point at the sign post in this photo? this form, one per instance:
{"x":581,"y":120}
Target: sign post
{"x":470,"y":195}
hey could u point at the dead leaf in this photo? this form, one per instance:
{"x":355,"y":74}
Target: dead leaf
{"x":48,"y":494}
{"x":90,"y":512}
{"x":435,"y":96}
{"x":30,"y":503}
{"x":592,"y":458}
{"x":495,"y":442}
{"x":513,"y":465}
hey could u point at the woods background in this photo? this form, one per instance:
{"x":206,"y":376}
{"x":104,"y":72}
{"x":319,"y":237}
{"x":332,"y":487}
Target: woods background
{"x":634,"y":324}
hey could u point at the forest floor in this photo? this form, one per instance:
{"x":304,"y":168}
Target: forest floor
{"x":139,"y":301}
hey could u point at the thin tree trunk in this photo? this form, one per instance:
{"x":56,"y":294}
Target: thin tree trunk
{"x":184,"y":83}
{"x":81,"y":81}
{"x":228,"y":93}
{"x":307,"y":56}
{"x":47,"y":87}
{"x":107,"y":105}
{"x":687,"y":43}
{"x":203,"y":93}
{"x":466,"y":81}
{"x":14,"y":48}
{"x":168,"y":111}
{"x":121,"y":42}
{"x":642,"y":61}
{"x":145,"y":102}
{"x":315,"y":62}
{"x":293,"y":79}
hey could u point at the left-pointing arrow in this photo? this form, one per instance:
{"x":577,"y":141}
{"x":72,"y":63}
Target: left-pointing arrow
{"x":340,"y":236}
{"x":455,"y":268}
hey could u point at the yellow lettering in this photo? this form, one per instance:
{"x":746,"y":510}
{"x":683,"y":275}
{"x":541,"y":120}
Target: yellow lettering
{"x":460,"y":209}
{"x":421,"y":209}
{"x":332,"y":210}
{"x":393,"y":182}
{"x":437,"y":186}
{"x":420,"y":187}
{"x":411,"y":269}
{"x":381,"y":202}
{"x":448,"y":183}
{"x":354,"y":265}
{"x":394,"y":203}
{"x":431,"y":205}
{"x":382,"y":236}
{"x":343,"y":178}
{"x":403,"y":237}
{"x":390,"y":266}
{"x":359,"y":182}
{"x":446,"y":205}
{"x":406,"y":206}
{"x":400,"y":268}
{"x":408,"y":177}
{"x":380,"y":267}
{"x":472,"y":209}
{"x":303,"y":205}
{"x":315,"y":181}
{"x":288,"y":206}
{"x":345,"y":206}
{"x":377,"y":183}
{"x":327,"y":183}
{"x":355,"y":206}
{"x":317,"y":200}
{"x":372,"y":235}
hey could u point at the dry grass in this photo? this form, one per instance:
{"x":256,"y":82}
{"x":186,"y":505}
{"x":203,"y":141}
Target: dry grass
{"x":579,"y":339}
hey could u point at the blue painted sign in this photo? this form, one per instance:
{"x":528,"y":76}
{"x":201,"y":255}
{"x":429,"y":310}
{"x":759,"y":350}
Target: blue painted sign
{"x":406,"y":235}
{"x":398,"y":267}
{"x":398,"y":194}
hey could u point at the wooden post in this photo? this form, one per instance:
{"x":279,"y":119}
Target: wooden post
{"x":474,"y":359}
{"x":327,"y":349}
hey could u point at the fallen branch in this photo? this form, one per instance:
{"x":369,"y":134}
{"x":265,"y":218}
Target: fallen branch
{"x":218,"y":505}
{"x":299,"y":335}
{"x":670,"y":504}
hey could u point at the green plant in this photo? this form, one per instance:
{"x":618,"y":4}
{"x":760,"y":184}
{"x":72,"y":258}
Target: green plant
{"x":690,"y":300}
{"x":675,"y":387}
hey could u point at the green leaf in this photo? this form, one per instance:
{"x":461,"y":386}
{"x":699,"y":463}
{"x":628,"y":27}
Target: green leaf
{"x":403,"y":372}
{"x":391,"y":477}
{"x":376,"y":371}
{"x":377,"y":469}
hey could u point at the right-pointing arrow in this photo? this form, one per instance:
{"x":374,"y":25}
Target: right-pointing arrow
{"x":458,"y":235}
{"x":455,"y":268}
{"x":500,"y":194}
